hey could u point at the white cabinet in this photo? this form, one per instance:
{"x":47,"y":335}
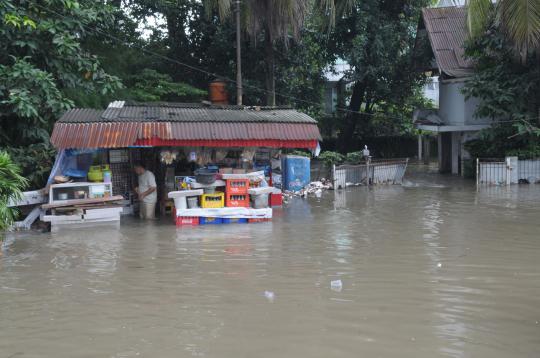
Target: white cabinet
{"x":65,"y":193}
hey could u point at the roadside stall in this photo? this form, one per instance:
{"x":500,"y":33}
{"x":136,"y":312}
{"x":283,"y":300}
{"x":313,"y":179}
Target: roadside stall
{"x":215,"y":163}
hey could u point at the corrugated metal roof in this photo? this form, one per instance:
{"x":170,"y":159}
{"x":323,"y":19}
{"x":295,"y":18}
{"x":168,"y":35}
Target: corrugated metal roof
{"x":185,"y":112}
{"x":125,"y":134}
{"x":118,"y":127}
{"x":447,"y":32}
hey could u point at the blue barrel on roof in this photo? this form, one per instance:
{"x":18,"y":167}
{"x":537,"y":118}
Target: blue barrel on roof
{"x":295,"y":171}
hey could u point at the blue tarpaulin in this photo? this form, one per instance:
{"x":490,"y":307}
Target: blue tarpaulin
{"x":72,"y":163}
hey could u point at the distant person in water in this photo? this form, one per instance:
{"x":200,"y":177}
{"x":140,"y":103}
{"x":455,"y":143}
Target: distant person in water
{"x":147,"y":191}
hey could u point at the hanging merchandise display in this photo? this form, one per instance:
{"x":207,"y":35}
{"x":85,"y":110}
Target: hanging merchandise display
{"x":248,"y":154}
{"x":168,"y":156}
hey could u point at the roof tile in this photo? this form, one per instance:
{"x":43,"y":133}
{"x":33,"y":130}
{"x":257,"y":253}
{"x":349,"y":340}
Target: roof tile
{"x":447,"y":31}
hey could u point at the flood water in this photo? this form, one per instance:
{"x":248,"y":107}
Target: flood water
{"x":429,"y":269}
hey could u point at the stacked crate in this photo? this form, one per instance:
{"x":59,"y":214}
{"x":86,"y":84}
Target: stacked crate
{"x":236,"y":193}
{"x":212,"y":201}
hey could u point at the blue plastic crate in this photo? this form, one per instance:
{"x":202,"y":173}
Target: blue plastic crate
{"x":235,"y":221}
{"x":210,"y":221}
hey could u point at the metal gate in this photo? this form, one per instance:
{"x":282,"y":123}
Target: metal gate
{"x":389,"y":171}
{"x":509,"y":170}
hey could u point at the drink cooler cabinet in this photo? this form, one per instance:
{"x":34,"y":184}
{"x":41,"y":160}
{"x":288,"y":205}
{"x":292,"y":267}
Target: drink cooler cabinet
{"x":296,"y":172}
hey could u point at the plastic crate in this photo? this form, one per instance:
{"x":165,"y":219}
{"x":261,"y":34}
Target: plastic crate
{"x":235,"y":221}
{"x":212,"y":201}
{"x":237,"y":186}
{"x":237,"y":201}
{"x":187,"y":221}
{"x":276,"y":200}
{"x":210,"y":221}
{"x":258,"y":220}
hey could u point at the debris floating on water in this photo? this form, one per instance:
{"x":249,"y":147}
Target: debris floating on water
{"x":314,"y":188}
{"x":269,"y":295}
{"x":336,"y":285}
{"x":439,"y":265}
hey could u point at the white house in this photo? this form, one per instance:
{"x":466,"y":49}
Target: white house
{"x":335,"y":84}
{"x":454,"y":122}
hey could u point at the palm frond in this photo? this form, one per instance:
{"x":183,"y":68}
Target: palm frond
{"x":11,"y":185}
{"x":479,"y":13}
{"x":520,"y":19}
{"x":331,"y":9}
{"x":280,"y":18}
{"x":222,"y":6}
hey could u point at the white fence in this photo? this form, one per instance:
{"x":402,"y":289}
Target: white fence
{"x":507,"y":171}
{"x":376,"y":172}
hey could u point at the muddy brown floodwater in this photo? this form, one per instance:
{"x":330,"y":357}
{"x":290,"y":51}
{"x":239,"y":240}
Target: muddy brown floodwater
{"x":429,"y":269}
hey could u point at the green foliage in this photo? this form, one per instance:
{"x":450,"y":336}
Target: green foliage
{"x":278,"y":19}
{"x":29,"y":99}
{"x":300,"y":71}
{"x":377,"y":38}
{"x":301,"y":153}
{"x":354,"y":157}
{"x":519,"y":21}
{"x":44,"y":57}
{"x":151,"y":85}
{"x":501,"y":141}
{"x":35,"y":161}
{"x":11,"y":186}
{"x":330,"y":158}
{"x":479,"y":14}
{"x":508,"y":92}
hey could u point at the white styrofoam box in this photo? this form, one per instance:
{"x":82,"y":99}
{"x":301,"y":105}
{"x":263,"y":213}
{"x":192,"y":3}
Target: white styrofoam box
{"x":62,"y":218}
{"x":261,"y":190}
{"x":112,"y":213}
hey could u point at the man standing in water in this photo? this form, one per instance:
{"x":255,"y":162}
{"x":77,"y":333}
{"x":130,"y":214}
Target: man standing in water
{"x":147,"y":192}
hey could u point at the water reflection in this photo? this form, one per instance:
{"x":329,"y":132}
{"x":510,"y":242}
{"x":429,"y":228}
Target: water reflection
{"x":426,"y":271}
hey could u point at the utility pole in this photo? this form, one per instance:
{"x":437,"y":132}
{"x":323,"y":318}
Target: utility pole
{"x":238,"y":56}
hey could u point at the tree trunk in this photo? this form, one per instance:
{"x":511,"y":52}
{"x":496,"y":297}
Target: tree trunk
{"x":269,"y":70}
{"x":178,"y":44}
{"x":346,"y":136}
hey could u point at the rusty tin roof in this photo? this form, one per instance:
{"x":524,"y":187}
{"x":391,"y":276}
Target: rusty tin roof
{"x":126,"y":126}
{"x":447,"y":32}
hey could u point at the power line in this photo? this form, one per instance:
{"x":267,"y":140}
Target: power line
{"x":194,"y":68}
{"x":225,"y":78}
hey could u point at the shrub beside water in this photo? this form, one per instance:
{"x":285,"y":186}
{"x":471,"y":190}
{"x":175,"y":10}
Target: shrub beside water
{"x":11,"y":187}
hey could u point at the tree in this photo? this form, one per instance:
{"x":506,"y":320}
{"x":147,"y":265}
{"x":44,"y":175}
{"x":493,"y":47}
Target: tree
{"x":43,"y":56}
{"x":519,"y":20}
{"x":508,"y":92}
{"x":190,"y":36}
{"x":152,"y":86}
{"x":11,"y":186}
{"x":273,"y":20}
{"x":376,"y":38}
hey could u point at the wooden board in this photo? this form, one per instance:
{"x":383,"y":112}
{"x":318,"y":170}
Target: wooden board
{"x":30,"y":198}
{"x":83,"y":202}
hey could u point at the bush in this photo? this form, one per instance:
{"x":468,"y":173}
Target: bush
{"x":330,"y":158}
{"x":355,"y":157}
{"x":501,"y":141}
{"x":35,"y":161}
{"x":11,"y":186}
{"x":301,"y":153}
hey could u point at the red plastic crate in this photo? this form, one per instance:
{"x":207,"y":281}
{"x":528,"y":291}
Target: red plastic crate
{"x":237,"y":186}
{"x":275,"y":200}
{"x":258,"y":220}
{"x":187,"y":221}
{"x":237,"y":200}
